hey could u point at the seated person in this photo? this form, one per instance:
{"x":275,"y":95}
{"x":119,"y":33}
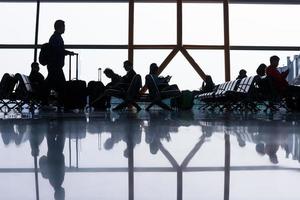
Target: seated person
{"x":36,"y":79}
{"x":115,"y":78}
{"x":207,"y":86}
{"x":127,"y":78}
{"x":280,"y":83}
{"x":7,"y":85}
{"x":261,"y":70}
{"x":161,"y":82}
{"x":278,"y":79}
{"x":242,"y":74}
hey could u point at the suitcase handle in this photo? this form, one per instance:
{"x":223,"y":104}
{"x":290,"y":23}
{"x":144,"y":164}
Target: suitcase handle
{"x":70,"y":66}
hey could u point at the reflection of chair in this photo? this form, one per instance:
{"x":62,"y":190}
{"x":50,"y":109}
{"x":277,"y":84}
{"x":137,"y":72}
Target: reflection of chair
{"x":130,"y":96}
{"x":156,"y":96}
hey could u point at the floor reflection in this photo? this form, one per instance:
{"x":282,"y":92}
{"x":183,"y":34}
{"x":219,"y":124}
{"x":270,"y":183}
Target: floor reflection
{"x":265,"y":135}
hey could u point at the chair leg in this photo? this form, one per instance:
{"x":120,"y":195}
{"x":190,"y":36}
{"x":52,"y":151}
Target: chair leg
{"x":136,"y":106}
{"x":148,"y":107}
{"x":163,"y":105}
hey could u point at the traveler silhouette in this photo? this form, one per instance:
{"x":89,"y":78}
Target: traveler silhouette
{"x":52,"y":166}
{"x":280,"y":84}
{"x":128,"y":77}
{"x":114,"y":78}
{"x":56,"y":78}
{"x":207,"y":86}
{"x":37,"y":82}
{"x":161,"y":82}
{"x":261,"y":70}
{"x":242,"y":74}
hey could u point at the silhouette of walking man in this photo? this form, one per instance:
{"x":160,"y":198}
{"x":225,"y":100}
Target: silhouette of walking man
{"x":56,"y":78}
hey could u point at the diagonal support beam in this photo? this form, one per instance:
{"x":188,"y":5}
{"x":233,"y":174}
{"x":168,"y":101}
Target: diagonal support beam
{"x":163,"y":65}
{"x":193,"y":63}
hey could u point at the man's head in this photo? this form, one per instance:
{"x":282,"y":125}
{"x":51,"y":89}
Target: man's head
{"x":243,"y":72}
{"x":59,"y":26}
{"x":108,"y":72}
{"x":153,"y":68}
{"x":127,"y":65}
{"x":274,"y":61}
{"x":35,"y":67}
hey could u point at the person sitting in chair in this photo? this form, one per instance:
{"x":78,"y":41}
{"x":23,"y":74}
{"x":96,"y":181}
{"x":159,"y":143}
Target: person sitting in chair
{"x":161,"y":82}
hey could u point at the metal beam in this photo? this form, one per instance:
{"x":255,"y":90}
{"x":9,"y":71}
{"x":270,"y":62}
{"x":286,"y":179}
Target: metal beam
{"x":226,"y":39}
{"x":156,"y":47}
{"x":193,"y":63}
{"x":161,"y":1}
{"x":130,"y":30}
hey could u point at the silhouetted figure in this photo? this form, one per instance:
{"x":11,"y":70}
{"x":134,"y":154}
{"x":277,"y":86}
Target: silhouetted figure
{"x":128,"y":77}
{"x":7,"y":84}
{"x":207,"y":86}
{"x":115,"y":78}
{"x":280,"y":84}
{"x":242,"y":74}
{"x":37,"y":81}
{"x":56,"y":78}
{"x":261,"y":70}
{"x":278,"y":79}
{"x":52,"y":166}
{"x":161,"y":82}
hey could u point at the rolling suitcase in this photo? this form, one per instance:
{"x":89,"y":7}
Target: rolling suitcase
{"x":95,"y":89}
{"x":75,"y":90}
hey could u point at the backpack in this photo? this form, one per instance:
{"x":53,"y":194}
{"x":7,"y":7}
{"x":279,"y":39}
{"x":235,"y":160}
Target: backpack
{"x":185,"y":101}
{"x":45,"y":54}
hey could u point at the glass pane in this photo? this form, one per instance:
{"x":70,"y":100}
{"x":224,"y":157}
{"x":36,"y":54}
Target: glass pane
{"x":86,"y":23}
{"x":22,"y":182}
{"x":143,"y":59}
{"x":211,"y":62}
{"x":264,"y":185}
{"x":203,"y":24}
{"x":264,"y":25}
{"x":16,"y":61}
{"x":150,"y":186}
{"x":17,"y":23}
{"x":155,"y":23}
{"x":203,"y":185}
{"x":91,"y":60}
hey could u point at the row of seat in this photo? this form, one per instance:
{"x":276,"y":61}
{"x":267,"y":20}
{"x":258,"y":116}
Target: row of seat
{"x":243,"y":94}
{"x":129,"y":97}
{"x":22,"y":97}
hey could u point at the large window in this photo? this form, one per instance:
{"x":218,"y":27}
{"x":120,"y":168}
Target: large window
{"x":89,"y":23}
{"x":17,"y":23}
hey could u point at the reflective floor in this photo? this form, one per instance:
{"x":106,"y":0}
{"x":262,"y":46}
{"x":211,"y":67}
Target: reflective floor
{"x":146,"y":156}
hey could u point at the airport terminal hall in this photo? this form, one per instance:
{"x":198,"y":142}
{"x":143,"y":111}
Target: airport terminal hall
{"x":149,"y":99}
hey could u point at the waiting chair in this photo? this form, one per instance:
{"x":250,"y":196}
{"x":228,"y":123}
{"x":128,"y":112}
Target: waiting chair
{"x":130,"y":96}
{"x":156,"y":96}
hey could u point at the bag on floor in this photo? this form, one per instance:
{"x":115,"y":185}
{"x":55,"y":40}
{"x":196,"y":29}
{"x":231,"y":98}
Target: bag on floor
{"x":185,"y":101}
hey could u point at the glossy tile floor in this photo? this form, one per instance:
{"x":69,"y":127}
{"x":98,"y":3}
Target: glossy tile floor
{"x":146,"y":156}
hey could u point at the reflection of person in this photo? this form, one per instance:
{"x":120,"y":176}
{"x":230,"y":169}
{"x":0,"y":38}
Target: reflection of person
{"x":52,"y":166}
{"x":129,"y":131}
{"x":56,"y":78}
